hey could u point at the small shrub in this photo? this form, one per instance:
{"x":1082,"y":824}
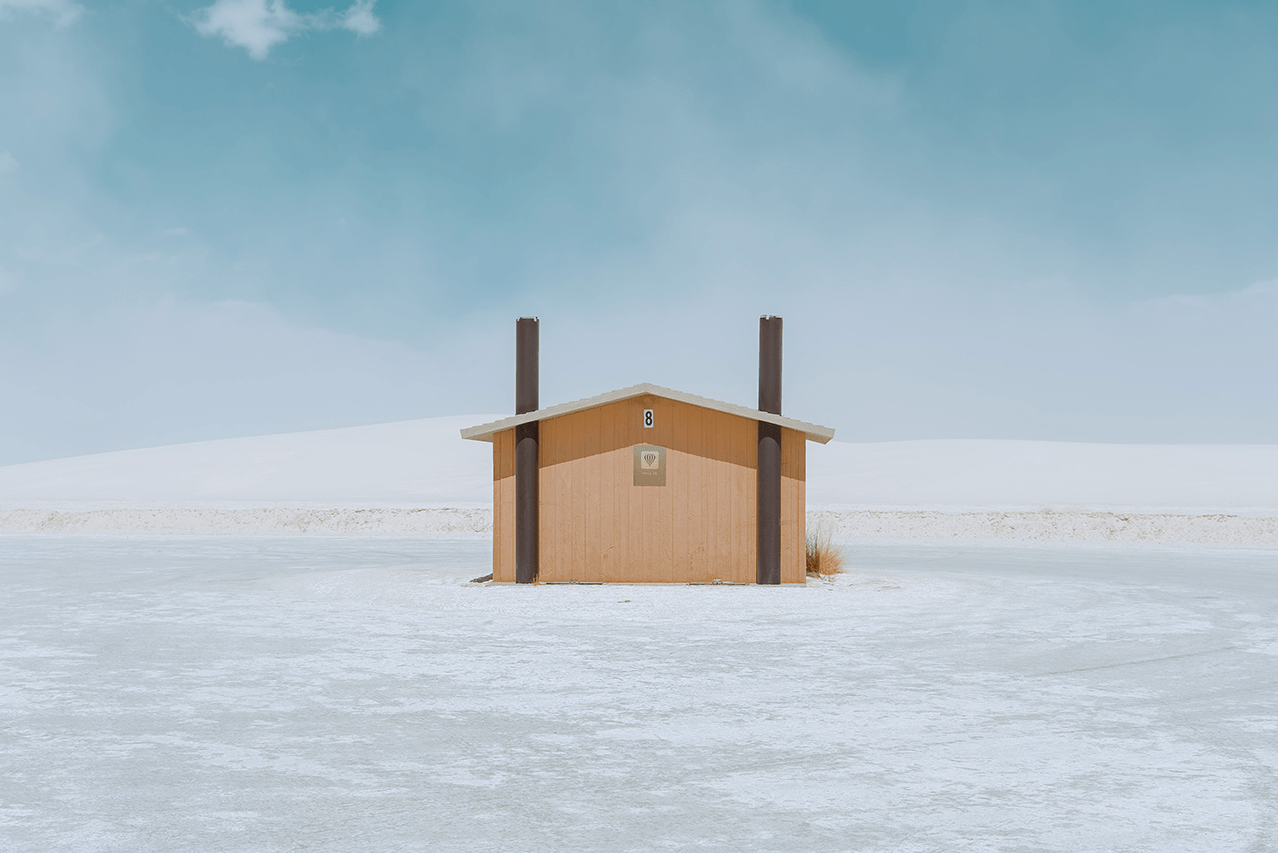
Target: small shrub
{"x":824,"y":557}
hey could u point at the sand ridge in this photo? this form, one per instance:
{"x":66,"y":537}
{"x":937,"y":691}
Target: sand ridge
{"x":420,"y":478}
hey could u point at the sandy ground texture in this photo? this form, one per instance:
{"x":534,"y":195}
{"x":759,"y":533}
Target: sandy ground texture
{"x":222,"y":520}
{"x":1207,"y":528}
{"x":1211,"y":528}
{"x":342,"y":694}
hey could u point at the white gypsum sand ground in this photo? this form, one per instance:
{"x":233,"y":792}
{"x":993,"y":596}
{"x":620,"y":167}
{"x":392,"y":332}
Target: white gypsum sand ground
{"x":340,"y":694}
{"x":337,"y":693}
{"x":420,"y":477}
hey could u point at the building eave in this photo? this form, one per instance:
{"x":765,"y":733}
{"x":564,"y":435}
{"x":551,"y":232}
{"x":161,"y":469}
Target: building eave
{"x":485,"y":432}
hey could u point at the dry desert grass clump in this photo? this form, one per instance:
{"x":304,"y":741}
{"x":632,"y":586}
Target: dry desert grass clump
{"x":824,"y":557}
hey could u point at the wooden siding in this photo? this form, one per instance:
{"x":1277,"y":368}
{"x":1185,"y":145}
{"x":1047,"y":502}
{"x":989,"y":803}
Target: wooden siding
{"x":596,"y":525}
{"x":504,"y":506}
{"x":794,"y":563}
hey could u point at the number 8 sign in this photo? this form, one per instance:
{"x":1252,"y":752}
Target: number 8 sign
{"x":647,"y":419}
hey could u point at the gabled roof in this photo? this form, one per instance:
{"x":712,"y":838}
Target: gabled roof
{"x":485,"y":432}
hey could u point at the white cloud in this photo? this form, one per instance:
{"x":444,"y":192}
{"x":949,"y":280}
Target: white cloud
{"x":254,"y":25}
{"x":62,"y":11}
{"x":1261,"y":288}
{"x":7,"y":162}
{"x":259,"y":25}
{"x":359,"y":18}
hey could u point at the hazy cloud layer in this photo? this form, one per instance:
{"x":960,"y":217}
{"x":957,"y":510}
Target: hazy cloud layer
{"x":61,"y":12}
{"x":1047,"y":223}
{"x":259,"y":25}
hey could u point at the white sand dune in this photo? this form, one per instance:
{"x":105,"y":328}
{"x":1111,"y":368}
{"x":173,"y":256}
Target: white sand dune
{"x":1042,"y":491}
{"x":1043,"y":474}
{"x":420,"y":477}
{"x":404,"y":464}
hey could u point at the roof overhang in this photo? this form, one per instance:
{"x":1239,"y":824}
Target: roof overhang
{"x":485,"y":432}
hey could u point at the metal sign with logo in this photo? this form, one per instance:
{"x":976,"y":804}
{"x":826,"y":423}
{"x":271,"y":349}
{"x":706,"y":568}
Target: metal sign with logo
{"x":650,"y":465}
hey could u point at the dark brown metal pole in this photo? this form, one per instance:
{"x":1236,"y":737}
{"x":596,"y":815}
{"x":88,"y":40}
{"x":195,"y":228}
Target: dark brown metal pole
{"x":526,"y":450}
{"x":769,"y":484}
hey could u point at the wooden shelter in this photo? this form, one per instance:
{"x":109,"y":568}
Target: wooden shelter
{"x":648,"y":484}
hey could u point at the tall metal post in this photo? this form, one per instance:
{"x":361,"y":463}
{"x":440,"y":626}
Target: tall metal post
{"x":768,"y":513}
{"x":526,"y":450}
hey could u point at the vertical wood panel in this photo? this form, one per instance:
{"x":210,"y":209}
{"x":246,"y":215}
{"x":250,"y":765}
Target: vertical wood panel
{"x":551,"y":510}
{"x":749,"y":475}
{"x":799,"y":527}
{"x":640,"y":563}
{"x":789,"y":527}
{"x":578,"y":497}
{"x":666,"y":516}
{"x":504,"y":507}
{"x":732,"y":542}
{"x":708,"y":508}
{"x":498,"y":530}
{"x":702,"y":500}
{"x":553,"y":522}
{"x":694,"y":464}
{"x":593,"y":495}
{"x":623,"y":506}
{"x":721,"y":449}
{"x":569,"y":513}
{"x":750,"y":509}
{"x":681,"y":539}
{"x":635,"y":563}
{"x":799,"y":444}
{"x":546,"y":500}
{"x":621,"y":438}
{"x":787,"y":510}
{"x":657,"y":530}
{"x":728,"y":516}
{"x":651,"y":497}
{"x":608,"y":497}
{"x":793,"y":559}
{"x":606,"y":489}
{"x":723,"y":501}
{"x":743,"y":432}
{"x":547,"y":513}
{"x":563,"y":471}
{"x":617,"y":505}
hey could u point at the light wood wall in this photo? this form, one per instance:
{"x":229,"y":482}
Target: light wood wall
{"x":596,"y":525}
{"x":504,"y":507}
{"x":794,"y":477}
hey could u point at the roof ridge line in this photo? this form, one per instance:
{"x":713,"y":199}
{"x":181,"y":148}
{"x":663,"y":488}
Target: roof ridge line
{"x":485,"y":432}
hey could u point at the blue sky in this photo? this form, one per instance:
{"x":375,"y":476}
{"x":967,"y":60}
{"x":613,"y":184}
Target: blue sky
{"x":980,"y":220}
